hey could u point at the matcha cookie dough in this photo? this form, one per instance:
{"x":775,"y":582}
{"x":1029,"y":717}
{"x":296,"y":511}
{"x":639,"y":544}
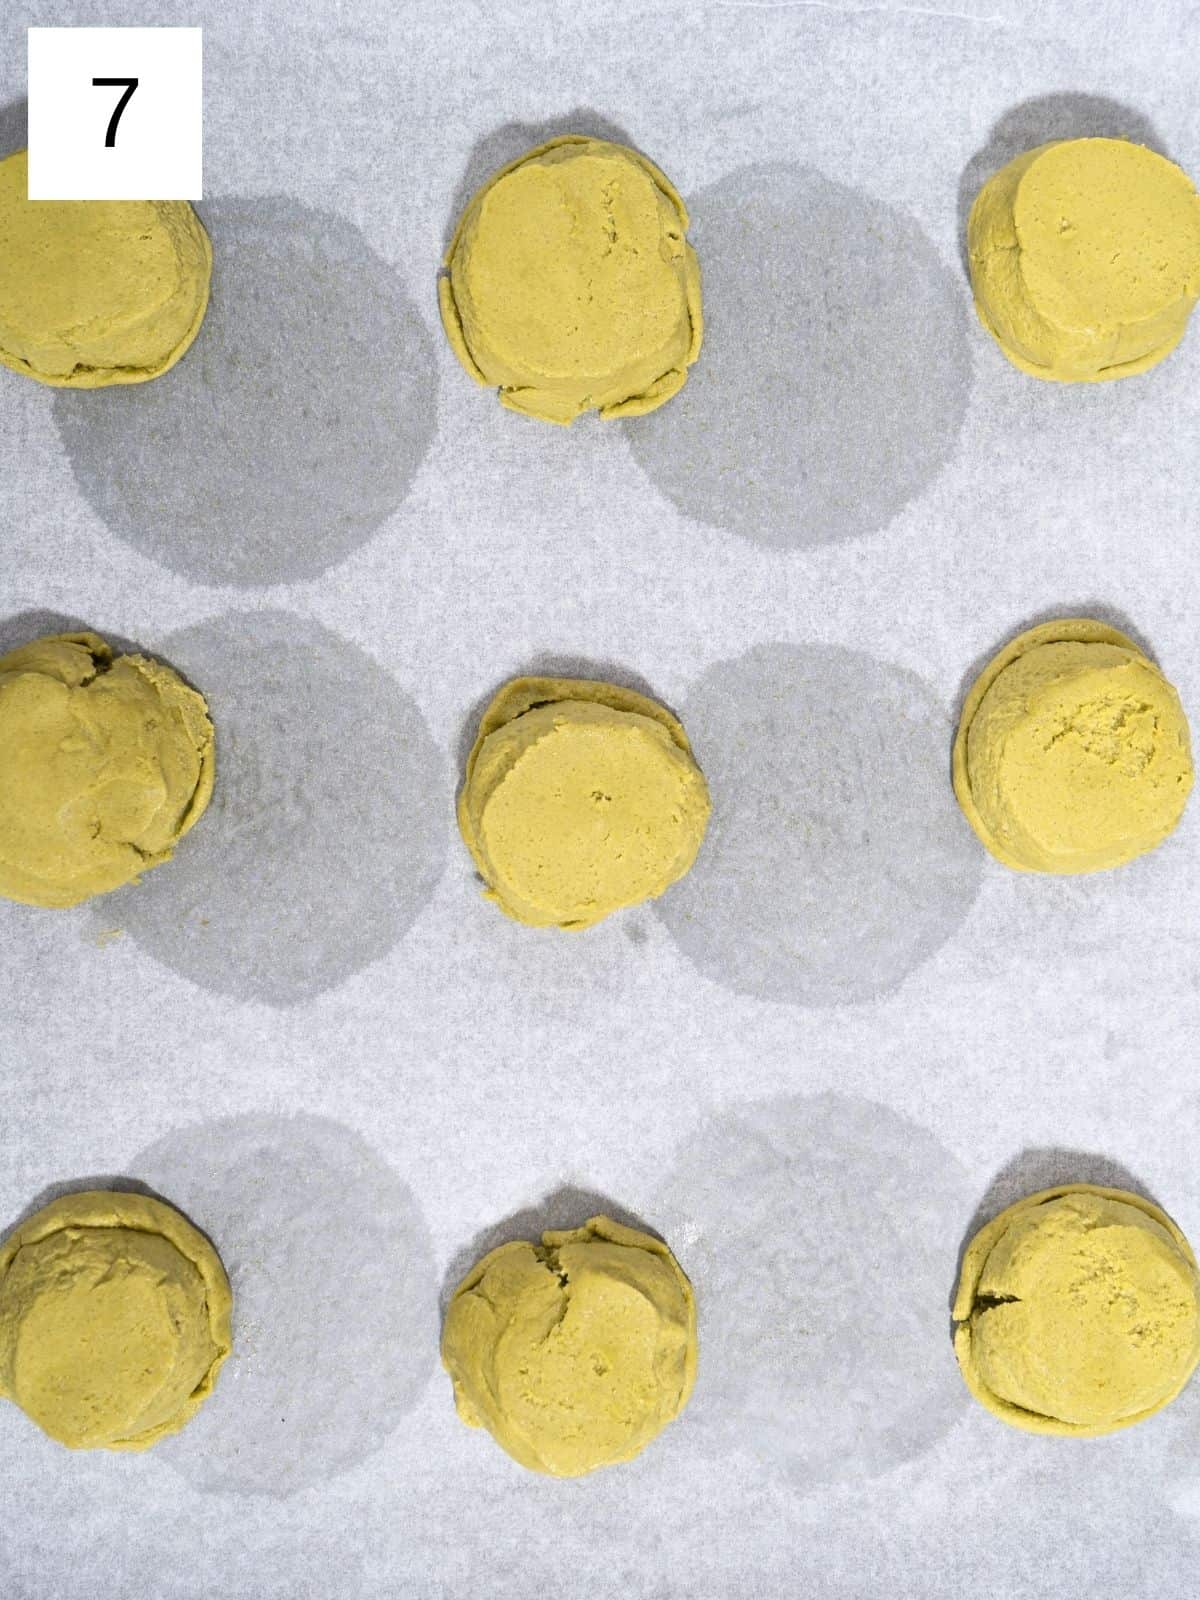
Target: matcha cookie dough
{"x":1076,"y":1311}
{"x":570,"y":285}
{"x":574,"y":1353}
{"x":104,"y":766}
{"x":114,"y":1320}
{"x":1085,"y":258}
{"x":580,"y":798}
{"x":94,"y":292}
{"x":1073,"y":752}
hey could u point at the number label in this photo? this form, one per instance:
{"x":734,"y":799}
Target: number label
{"x":129,"y":85}
{"x":115,"y":113}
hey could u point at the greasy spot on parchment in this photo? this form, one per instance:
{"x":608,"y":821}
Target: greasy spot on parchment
{"x":837,"y":860}
{"x":820,"y":1233}
{"x":334,"y":1298}
{"x":292,"y":429}
{"x":835,"y":372}
{"x":328,"y":824}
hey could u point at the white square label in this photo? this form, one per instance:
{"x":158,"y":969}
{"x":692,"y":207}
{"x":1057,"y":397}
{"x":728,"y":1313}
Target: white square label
{"x":115,"y":114}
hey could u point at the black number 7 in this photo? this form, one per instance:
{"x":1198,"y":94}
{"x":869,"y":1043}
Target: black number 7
{"x":129,"y":85}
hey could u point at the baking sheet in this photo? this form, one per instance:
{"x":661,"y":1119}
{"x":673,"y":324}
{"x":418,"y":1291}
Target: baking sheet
{"x":816,"y":1063}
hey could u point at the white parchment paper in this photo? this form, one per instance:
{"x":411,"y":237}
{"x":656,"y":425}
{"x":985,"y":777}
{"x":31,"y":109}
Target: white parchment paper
{"x":818,"y":1063}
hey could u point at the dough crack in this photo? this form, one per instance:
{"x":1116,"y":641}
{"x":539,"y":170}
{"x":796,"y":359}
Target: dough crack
{"x":548,"y":1255}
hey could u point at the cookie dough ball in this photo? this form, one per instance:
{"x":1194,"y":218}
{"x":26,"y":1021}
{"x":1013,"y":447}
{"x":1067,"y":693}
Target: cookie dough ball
{"x":94,"y":292}
{"x":1077,"y":1312}
{"x":570,"y":286}
{"x":580,"y":798}
{"x":104,"y":766}
{"x":114,"y":1320}
{"x":1073,"y":752}
{"x":574,"y":1353}
{"x":1085,"y":258}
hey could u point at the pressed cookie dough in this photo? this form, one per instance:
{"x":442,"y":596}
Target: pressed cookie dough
{"x":574,"y":1353}
{"x":580,"y":798}
{"x":1077,"y":1312}
{"x":1085,"y":258}
{"x":114,"y":1320}
{"x":1073,"y":752}
{"x":570,"y":285}
{"x":104,"y":766}
{"x":97,"y":292}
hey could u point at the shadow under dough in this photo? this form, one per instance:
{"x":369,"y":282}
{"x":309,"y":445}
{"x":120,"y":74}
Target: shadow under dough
{"x":565,"y":1207}
{"x":512,"y":139}
{"x":1044,"y":1168}
{"x":14,"y":127}
{"x":27,"y":626}
{"x":1099,"y":609}
{"x":1039,"y":121}
{"x":548,"y":665}
{"x":293,"y":428}
{"x":118,"y":1183}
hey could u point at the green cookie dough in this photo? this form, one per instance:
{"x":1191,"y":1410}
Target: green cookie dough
{"x":114,"y":1320}
{"x":580,"y":798}
{"x":1077,"y":1311}
{"x":1085,"y":259}
{"x":570,"y":285}
{"x":575,"y":1353}
{"x":97,"y":292}
{"x":104,"y":766}
{"x":1073,"y":753}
